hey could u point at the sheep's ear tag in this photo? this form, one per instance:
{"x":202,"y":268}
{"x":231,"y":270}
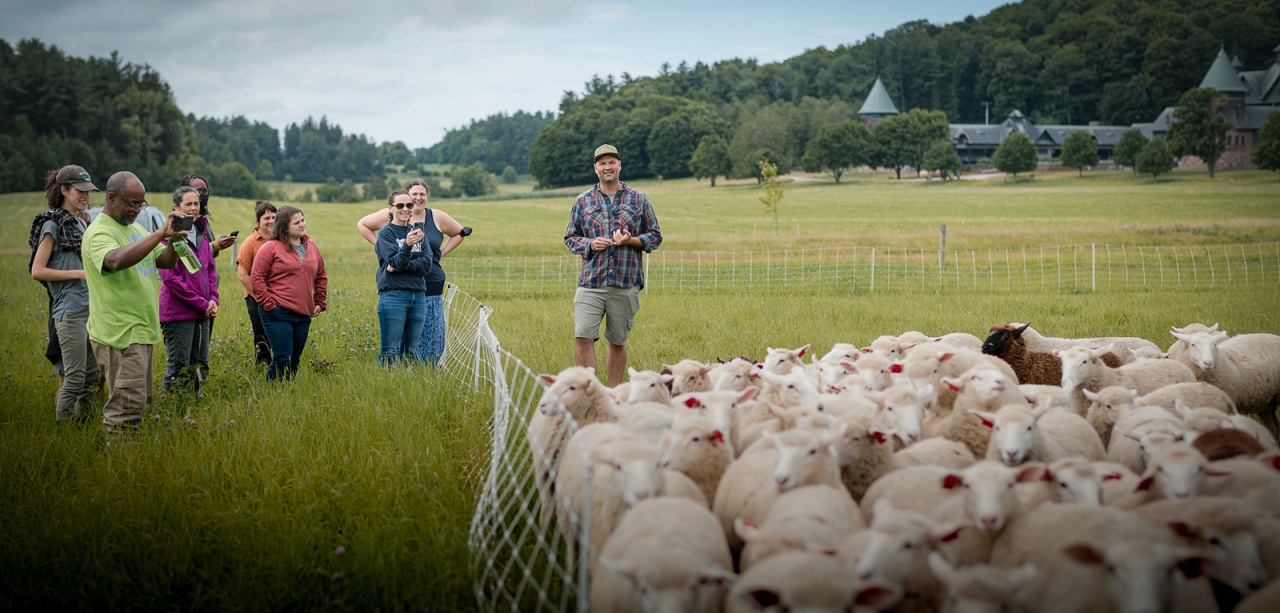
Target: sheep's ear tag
{"x":895,"y":368}
{"x":717,"y":435}
{"x":866,"y":350}
{"x":1182,"y":529}
{"x":1112,"y":477}
{"x":692,"y":403}
{"x":953,"y":387}
{"x":803,"y":350}
{"x":951,"y":536}
{"x":1272,"y":462}
{"x":880,"y":437}
{"x":1145,"y":484}
{"x":1214,"y":472}
{"x":950,"y":482}
{"x":986,"y":422}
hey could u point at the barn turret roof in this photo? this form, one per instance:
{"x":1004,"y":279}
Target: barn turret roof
{"x":878,"y":101}
{"x":1222,"y":76}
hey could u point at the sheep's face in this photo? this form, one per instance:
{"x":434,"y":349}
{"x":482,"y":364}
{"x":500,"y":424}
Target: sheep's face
{"x":690,"y":440}
{"x":888,"y":346}
{"x":798,"y":452}
{"x":842,"y":352}
{"x":922,"y":372}
{"x":1233,"y":556}
{"x":896,"y":539}
{"x":1203,"y":347}
{"x":568,"y":391}
{"x":905,"y":410}
{"x":1154,"y":441}
{"x":1179,"y":469}
{"x":1075,"y":366}
{"x":830,"y":373}
{"x":1013,"y":434}
{"x":782,"y":361}
{"x":1115,"y":400}
{"x":1000,"y":337}
{"x":1076,"y":482}
{"x":649,"y":386}
{"x":989,"y":495}
{"x":793,"y":389}
{"x":1139,"y":574}
{"x":639,"y":479}
{"x":732,"y":377}
{"x":987,"y":383}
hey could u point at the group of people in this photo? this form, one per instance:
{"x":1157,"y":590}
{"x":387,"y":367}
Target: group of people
{"x":123,"y":280}
{"x":125,"y":277}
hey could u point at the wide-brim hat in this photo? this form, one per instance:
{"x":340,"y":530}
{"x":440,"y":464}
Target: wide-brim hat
{"x":604,"y":150}
{"x":76,"y":177}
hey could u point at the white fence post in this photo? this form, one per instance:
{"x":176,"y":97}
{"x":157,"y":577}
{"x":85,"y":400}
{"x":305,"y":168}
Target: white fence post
{"x":873,"y":269}
{"x":1093,"y":265}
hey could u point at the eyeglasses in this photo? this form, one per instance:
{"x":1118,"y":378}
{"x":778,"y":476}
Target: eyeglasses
{"x":132,"y":205}
{"x":402,"y":205}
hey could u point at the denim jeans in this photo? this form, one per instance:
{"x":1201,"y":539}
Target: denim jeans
{"x":287,"y":335}
{"x":431,"y":344}
{"x":400,"y":317}
{"x":260,"y":346}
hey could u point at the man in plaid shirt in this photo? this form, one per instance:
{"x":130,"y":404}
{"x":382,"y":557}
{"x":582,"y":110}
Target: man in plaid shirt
{"x":611,"y":227}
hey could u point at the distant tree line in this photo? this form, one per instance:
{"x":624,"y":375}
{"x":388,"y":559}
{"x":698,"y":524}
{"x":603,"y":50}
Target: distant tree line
{"x":495,"y":142}
{"x":1074,"y":61}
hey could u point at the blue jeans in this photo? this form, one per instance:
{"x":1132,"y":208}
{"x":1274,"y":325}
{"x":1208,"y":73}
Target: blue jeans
{"x":287,"y":335}
{"x":431,"y":344}
{"x":400,"y":317}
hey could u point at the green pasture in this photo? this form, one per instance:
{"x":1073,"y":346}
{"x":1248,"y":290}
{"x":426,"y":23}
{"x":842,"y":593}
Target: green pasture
{"x":245,"y":506}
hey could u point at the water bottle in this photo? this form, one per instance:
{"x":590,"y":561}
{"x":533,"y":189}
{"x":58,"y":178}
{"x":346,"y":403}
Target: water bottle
{"x":185,"y":254}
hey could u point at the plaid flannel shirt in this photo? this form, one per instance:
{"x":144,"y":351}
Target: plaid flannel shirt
{"x":629,"y":210}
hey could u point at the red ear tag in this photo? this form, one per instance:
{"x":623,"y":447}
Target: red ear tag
{"x":717,"y":436}
{"x":895,"y":368}
{"x":692,"y":403}
{"x":954,"y":388}
{"x":950,"y":482}
{"x":1145,"y":484}
{"x":880,"y":437}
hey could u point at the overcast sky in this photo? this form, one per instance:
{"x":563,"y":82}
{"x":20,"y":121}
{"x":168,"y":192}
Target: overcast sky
{"x":406,"y":70}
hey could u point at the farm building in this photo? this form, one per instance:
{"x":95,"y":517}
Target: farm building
{"x":974,"y":140}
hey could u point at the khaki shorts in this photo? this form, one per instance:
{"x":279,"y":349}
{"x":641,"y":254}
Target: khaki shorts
{"x":617,"y":305}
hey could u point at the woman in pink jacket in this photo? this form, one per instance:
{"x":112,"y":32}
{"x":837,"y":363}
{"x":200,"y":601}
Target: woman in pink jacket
{"x":290,"y":283}
{"x":189,"y":301}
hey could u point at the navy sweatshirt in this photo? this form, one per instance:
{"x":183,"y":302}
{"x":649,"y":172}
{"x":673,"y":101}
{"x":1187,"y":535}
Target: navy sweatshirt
{"x":412,"y":264}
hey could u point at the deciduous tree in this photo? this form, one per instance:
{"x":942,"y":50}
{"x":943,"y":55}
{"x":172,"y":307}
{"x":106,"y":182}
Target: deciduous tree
{"x":711,"y":158}
{"x":1016,"y":154}
{"x":1079,"y":150}
{"x":1155,"y":159}
{"x":1266,"y":154}
{"x":838,"y":147}
{"x":772,"y":191}
{"x":942,"y":156}
{"x":1127,"y":150}
{"x":1201,"y":129}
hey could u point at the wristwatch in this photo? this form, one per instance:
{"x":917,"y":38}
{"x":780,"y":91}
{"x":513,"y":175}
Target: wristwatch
{"x":465,"y":232}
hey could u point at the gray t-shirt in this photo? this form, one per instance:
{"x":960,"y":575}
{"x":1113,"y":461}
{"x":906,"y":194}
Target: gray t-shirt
{"x":69,"y":297}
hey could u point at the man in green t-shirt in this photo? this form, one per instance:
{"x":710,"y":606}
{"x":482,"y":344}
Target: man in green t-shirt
{"x":120,"y":262}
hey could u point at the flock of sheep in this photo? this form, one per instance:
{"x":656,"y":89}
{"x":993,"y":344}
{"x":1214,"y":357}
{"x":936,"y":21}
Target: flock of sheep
{"x":1019,"y":473}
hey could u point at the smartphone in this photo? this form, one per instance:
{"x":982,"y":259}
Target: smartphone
{"x":419,"y":225}
{"x":183,"y":223}
{"x":235,"y":233}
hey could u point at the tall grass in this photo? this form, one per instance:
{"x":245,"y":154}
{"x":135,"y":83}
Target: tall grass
{"x":246,"y":506}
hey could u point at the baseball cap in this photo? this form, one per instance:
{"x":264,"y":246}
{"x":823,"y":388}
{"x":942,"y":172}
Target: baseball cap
{"x":604,"y":150}
{"x":76,"y":177}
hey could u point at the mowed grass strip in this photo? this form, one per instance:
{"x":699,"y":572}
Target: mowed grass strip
{"x":215,"y":515}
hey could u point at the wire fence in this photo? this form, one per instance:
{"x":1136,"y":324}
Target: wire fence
{"x":518,"y":561}
{"x":857,"y":270}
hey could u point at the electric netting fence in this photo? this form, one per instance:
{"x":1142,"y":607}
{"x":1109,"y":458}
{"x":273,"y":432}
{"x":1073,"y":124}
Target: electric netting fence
{"x":519,"y":556}
{"x":859,"y":270}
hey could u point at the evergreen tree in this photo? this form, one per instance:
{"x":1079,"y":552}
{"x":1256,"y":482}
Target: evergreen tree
{"x":1266,"y":154}
{"x":509,"y":175}
{"x":1079,"y":150}
{"x":1127,"y":150}
{"x":711,"y":158}
{"x":838,"y":147}
{"x":1155,"y":159}
{"x":1016,"y":154}
{"x":1201,"y":129}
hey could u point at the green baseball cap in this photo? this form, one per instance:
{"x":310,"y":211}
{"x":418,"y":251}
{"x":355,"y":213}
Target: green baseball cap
{"x":604,"y":150}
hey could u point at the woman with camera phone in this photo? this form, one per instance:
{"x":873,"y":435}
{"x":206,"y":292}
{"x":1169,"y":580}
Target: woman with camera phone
{"x":404,"y":262}
{"x":188,"y":297}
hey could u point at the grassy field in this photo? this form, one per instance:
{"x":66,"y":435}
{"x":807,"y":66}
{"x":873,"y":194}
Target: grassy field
{"x":242,"y":498}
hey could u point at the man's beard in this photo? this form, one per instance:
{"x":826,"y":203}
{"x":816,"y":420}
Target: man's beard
{"x":129,"y":218}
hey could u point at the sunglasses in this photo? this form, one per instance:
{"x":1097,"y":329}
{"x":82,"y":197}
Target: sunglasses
{"x":403,"y":205}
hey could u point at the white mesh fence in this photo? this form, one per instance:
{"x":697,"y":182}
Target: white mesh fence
{"x":857,"y":269}
{"x":519,"y":556}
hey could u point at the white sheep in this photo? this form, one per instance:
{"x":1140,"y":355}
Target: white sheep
{"x":1054,"y":395}
{"x":793,"y":581}
{"x":1177,"y":471}
{"x":698,"y":448}
{"x":574,"y":398}
{"x":1221,"y":526}
{"x":669,"y":555}
{"x":810,"y":518}
{"x":805,"y":457}
{"x":830,"y":374}
{"x":644,"y":386}
{"x":1070,"y":481}
{"x":935,"y":452}
{"x":898,"y":552}
{"x":1105,"y":406}
{"x":1083,"y":369}
{"x":1246,"y":367}
{"x":842,"y":352}
{"x":962,"y":340}
{"x":888,"y":346}
{"x":688,"y":376}
{"x":1256,"y":482}
{"x":1179,"y":349}
{"x":1196,"y":395}
{"x":929,"y":363}
{"x":983,"y":388}
{"x":721,"y":407}
{"x":1113,"y":489}
{"x":1131,"y":426}
{"x":905,"y":407}
{"x":1022,"y":435}
{"x":733,"y":376}
{"x":876,"y":370}
{"x":981,"y":588}
{"x":781,"y":361}
{"x":648,"y":420}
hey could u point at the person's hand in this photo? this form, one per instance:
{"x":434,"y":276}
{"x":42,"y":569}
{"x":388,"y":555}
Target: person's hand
{"x":225,"y":241}
{"x":601,"y":243}
{"x":211,"y":310}
{"x":390,"y":269}
{"x":414,"y":237}
{"x":167,"y":230}
{"x":77,"y":274}
{"x":621,"y":236}
{"x":316,"y":311}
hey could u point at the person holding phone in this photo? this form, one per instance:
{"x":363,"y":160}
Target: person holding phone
{"x":403,"y":265}
{"x":437,"y":225}
{"x":290,"y":285}
{"x":188,"y":298}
